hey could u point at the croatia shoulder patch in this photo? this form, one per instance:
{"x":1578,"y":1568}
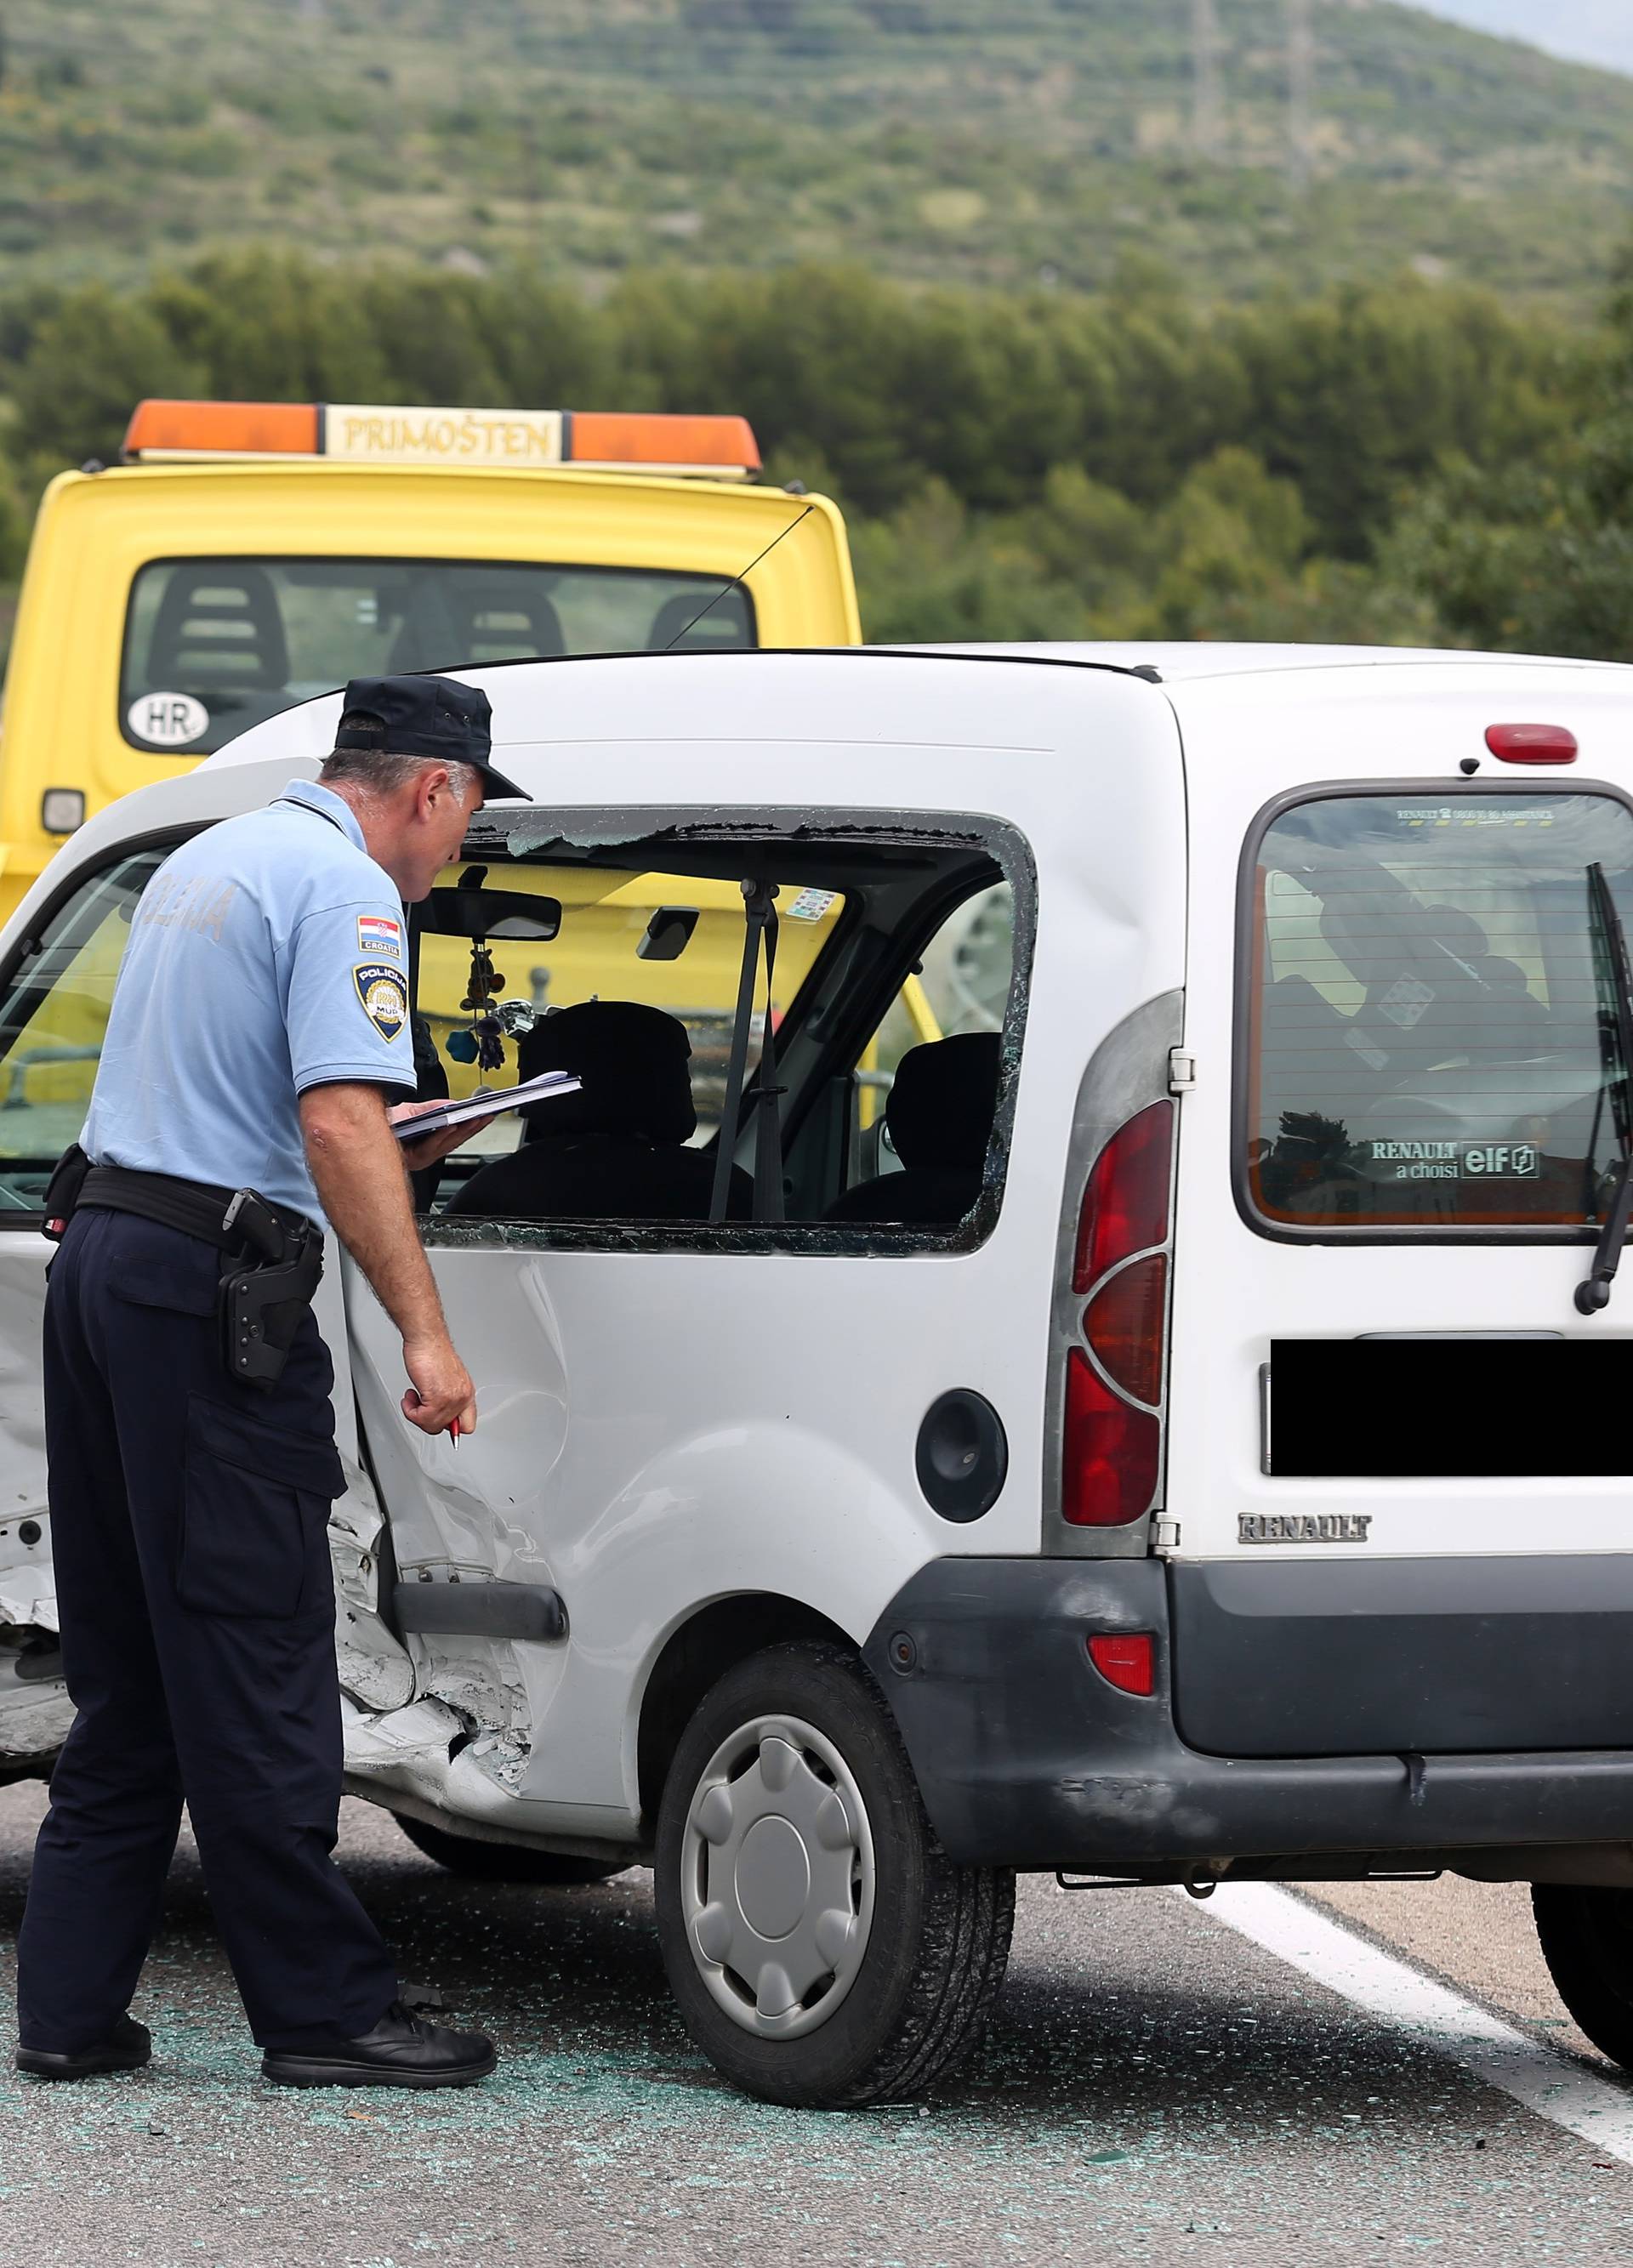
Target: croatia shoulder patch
{"x":380,"y":989}
{"x":379,"y":933}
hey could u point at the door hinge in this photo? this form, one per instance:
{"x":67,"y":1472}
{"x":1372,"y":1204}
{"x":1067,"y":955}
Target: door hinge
{"x":1164,"y":1535}
{"x":1181,"y":1071}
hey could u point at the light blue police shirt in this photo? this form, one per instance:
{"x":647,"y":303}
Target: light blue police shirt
{"x":266,"y":956}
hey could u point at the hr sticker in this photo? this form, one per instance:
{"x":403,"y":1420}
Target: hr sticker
{"x":168,"y":720}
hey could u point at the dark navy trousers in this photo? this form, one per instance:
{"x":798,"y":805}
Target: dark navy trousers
{"x":188,"y":1530}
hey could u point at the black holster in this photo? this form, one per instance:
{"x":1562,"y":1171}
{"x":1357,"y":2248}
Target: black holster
{"x":63,"y":1192}
{"x":259,"y":1307}
{"x":275,"y":1256}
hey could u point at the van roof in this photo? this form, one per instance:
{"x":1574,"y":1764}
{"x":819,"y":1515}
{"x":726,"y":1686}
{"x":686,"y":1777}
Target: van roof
{"x":812,"y":690}
{"x":1190,"y":663}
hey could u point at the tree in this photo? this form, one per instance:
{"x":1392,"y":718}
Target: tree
{"x":90,"y":362}
{"x":1537,"y":555}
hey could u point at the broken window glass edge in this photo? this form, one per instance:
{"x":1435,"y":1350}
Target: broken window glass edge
{"x":1009,"y":852}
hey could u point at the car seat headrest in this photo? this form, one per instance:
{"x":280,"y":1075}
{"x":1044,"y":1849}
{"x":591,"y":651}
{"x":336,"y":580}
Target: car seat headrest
{"x":1458,"y":931}
{"x":943,"y":1101}
{"x":633,"y":1062}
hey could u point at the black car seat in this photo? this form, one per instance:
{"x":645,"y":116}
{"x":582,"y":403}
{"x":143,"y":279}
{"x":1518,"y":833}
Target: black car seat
{"x":940,"y":1115}
{"x":1493,"y":1014}
{"x":452,"y":623}
{"x":681,"y":623}
{"x":616,"y":1149}
{"x":218,"y":630}
{"x":1304,"y":1063}
{"x":501,"y":621}
{"x":431,"y":1085}
{"x":1435,"y":992}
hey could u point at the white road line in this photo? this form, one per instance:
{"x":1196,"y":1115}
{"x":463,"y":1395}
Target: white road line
{"x":1554,"y":2085}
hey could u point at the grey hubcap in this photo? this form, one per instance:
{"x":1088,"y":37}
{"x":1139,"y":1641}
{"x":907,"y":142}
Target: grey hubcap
{"x":777,"y":1877}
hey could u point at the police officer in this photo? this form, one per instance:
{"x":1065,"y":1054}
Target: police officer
{"x":260,"y":1024}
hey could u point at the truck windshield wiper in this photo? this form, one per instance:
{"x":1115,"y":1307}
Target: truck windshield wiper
{"x":1616,"y":1024}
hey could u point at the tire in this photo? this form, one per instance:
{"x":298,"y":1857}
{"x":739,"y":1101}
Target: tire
{"x":501,"y":1862}
{"x":1587,"y":1943}
{"x":792,"y":1840}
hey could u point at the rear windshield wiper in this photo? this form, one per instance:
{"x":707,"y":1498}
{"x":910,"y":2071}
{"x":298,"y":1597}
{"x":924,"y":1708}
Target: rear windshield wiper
{"x":1616,"y":1044}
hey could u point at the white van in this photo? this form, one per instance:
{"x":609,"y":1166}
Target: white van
{"x":1176,"y":1442}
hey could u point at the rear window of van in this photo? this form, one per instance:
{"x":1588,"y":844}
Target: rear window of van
{"x":1429,"y":1037}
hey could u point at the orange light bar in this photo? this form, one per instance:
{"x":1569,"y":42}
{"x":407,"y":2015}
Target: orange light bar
{"x":722,"y":448}
{"x":716,"y":445}
{"x":227,"y":429}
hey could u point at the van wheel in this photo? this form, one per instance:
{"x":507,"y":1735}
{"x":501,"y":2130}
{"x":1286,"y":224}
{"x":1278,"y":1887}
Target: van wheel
{"x":824,"y":1949}
{"x":1587,"y":1943}
{"x":501,"y":1862}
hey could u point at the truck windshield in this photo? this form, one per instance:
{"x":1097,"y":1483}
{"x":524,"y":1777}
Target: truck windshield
{"x":214,"y":645}
{"x":1428,"y":1043}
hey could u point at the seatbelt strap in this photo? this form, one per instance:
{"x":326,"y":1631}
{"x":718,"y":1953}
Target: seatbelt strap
{"x":758,"y":919}
{"x":768,"y":1100}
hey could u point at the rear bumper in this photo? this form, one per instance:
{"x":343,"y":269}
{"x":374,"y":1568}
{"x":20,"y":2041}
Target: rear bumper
{"x":1026,"y":1757}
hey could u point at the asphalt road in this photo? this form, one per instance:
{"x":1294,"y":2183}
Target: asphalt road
{"x":1156,"y":2087}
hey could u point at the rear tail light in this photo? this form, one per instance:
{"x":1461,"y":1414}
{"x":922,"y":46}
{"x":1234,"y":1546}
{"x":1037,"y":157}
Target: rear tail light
{"x":1126,"y":1204}
{"x":1114,"y":1451}
{"x":1124,"y":1326}
{"x":1126,"y":1661}
{"x":1113,"y":1443}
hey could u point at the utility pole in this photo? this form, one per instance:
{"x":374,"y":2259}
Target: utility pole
{"x":1207,"y":125}
{"x":1301,"y":93}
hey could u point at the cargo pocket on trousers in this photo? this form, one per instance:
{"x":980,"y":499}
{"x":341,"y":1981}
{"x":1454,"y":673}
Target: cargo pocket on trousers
{"x":255,"y":1514}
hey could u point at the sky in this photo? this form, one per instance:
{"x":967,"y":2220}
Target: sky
{"x":1591,"y":31}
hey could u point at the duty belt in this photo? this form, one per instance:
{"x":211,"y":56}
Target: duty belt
{"x":234,"y":1220}
{"x":260,"y":1304}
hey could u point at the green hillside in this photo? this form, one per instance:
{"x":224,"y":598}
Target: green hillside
{"x":958,"y":140}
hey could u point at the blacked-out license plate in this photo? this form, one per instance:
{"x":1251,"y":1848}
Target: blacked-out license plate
{"x":1445,"y":1409}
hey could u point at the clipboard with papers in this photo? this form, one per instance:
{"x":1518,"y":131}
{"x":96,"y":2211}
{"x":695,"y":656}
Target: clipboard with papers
{"x":491,"y":1105}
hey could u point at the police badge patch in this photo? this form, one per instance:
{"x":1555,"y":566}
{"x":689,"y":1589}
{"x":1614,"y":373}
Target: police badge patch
{"x":380,"y":987}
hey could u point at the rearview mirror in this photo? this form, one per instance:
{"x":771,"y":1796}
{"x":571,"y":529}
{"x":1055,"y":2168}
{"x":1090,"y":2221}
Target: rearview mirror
{"x":489,"y":913}
{"x":667,"y":933}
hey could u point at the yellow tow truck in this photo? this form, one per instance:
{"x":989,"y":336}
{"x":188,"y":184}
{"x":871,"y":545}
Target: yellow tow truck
{"x":244,"y":556}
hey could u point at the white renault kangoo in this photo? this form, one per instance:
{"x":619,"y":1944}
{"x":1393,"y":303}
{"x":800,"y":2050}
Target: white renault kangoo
{"x":1071,"y":1324}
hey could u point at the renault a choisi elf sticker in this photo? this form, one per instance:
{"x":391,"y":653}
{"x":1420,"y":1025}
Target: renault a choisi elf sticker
{"x":1453,"y":1160}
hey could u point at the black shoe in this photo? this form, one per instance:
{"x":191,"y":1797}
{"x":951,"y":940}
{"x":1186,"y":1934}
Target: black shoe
{"x":127,"y":2048}
{"x":402,"y":2050}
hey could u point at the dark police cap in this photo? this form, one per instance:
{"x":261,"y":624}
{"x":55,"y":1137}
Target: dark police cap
{"x":433,"y":717}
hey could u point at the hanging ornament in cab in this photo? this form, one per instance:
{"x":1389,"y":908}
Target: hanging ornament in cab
{"x":475,"y":913}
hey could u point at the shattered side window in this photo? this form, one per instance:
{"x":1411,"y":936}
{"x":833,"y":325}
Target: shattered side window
{"x":670,"y":942}
{"x":896,"y":1002}
{"x":52,"y":1014}
{"x":1431,"y":1040}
